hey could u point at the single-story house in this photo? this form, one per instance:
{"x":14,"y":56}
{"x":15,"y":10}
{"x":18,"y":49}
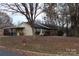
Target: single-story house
{"x":21,"y":30}
{"x":26,"y":30}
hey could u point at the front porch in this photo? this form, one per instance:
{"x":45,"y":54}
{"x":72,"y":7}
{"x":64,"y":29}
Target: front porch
{"x":13,"y":31}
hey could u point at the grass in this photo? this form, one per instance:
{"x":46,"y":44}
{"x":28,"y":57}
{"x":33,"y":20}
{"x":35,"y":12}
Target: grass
{"x":44,"y":45}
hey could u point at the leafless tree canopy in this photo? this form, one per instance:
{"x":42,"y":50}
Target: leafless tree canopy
{"x":5,"y":20}
{"x":29,"y":10}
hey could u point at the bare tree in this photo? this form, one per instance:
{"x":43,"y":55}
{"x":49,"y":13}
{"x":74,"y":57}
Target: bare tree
{"x":59,"y":14}
{"x":5,"y":20}
{"x":29,"y":10}
{"x":74,"y":15}
{"x":64,"y":17}
{"x":49,"y":9}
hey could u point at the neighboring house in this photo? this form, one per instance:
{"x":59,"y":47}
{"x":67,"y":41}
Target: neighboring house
{"x":46,"y":29}
{"x":5,"y":21}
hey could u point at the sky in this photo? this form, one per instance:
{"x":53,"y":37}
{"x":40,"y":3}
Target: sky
{"x":18,"y":18}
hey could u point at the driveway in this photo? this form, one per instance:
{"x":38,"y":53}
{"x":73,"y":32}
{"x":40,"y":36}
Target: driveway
{"x":4,"y":52}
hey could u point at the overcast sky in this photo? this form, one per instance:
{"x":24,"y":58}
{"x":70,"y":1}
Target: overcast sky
{"x":20,"y":18}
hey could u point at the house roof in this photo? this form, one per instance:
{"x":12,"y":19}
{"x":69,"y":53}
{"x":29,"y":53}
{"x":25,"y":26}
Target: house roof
{"x":42,"y":26}
{"x":13,"y":28}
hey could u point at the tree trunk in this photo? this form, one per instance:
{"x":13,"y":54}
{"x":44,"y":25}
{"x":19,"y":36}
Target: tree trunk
{"x":33,"y":31}
{"x":67,"y":30}
{"x":76,"y":31}
{"x":31,"y":23}
{"x":33,"y":28}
